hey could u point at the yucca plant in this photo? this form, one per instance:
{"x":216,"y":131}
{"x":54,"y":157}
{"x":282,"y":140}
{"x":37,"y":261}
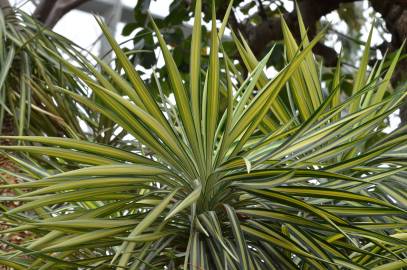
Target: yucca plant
{"x":29,"y":103}
{"x":258,"y":185}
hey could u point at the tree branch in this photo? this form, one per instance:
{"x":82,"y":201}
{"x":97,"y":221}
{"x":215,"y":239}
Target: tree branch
{"x":262,"y":12}
{"x":50,"y":12}
{"x":43,"y":10}
{"x":312,"y":10}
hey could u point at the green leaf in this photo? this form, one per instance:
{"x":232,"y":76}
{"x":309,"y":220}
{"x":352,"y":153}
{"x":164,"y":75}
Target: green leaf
{"x":244,"y":259}
{"x":180,"y":93}
{"x":190,"y":199}
{"x":85,"y":146}
{"x":144,"y":224}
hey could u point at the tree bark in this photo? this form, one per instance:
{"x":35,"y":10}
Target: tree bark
{"x":395,"y":16}
{"x":7,"y":10}
{"x":5,"y":6}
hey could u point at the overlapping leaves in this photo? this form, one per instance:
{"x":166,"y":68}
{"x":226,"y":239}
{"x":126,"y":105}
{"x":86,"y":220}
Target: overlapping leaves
{"x":258,"y":185}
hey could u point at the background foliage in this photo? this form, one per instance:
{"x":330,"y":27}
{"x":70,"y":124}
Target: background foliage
{"x":250,"y":18}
